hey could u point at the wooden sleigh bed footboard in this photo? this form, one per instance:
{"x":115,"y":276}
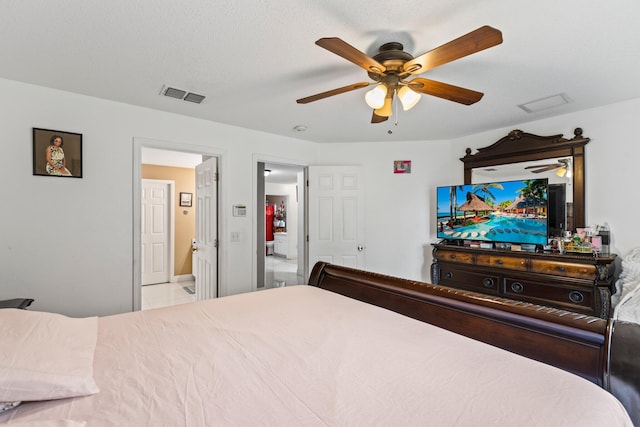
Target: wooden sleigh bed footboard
{"x":571,"y":341}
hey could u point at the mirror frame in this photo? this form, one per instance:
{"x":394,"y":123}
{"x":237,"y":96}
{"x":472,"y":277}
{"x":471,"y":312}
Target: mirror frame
{"x":519,"y":146}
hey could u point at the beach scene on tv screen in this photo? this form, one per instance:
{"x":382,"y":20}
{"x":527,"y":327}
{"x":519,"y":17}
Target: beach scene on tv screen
{"x":506,"y":211}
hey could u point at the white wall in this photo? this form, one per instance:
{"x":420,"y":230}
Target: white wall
{"x":68,"y":242}
{"x":398,"y":215}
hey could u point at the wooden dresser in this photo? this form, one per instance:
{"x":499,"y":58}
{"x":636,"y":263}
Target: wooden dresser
{"x":580,"y":283}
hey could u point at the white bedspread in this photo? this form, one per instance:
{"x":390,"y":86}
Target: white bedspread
{"x":302,"y":356}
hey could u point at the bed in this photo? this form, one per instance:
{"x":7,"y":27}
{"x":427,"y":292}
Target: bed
{"x":352,"y":348}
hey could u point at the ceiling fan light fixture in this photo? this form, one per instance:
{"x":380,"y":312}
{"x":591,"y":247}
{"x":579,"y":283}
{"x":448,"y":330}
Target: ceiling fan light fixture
{"x":385,"y":110}
{"x":566,"y":170}
{"x":375,"y":98}
{"x":408,"y":97}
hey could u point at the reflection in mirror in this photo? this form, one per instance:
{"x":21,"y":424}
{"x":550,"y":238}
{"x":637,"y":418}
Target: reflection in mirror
{"x":559,"y":173}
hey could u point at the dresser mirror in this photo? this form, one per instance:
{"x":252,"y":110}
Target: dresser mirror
{"x":521,"y":155}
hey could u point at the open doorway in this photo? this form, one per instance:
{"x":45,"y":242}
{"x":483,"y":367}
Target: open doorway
{"x":178,"y":163}
{"x":280,"y":225}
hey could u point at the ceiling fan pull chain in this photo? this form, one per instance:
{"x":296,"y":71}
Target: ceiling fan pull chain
{"x":396,"y":121}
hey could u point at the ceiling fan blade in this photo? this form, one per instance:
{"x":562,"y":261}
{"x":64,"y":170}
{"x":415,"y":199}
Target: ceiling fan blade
{"x":552,"y":165}
{"x":547,"y":168}
{"x":445,"y":91}
{"x":475,"y":41}
{"x":333,"y":92}
{"x":378,"y":119}
{"x":350,"y":53}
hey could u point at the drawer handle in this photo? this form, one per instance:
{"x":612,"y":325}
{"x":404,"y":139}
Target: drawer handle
{"x":488,"y":282}
{"x":452,"y":256}
{"x":562,"y":269}
{"x":517,"y":287}
{"x":576,"y":296}
{"x":448,"y":275}
{"x":499,"y":261}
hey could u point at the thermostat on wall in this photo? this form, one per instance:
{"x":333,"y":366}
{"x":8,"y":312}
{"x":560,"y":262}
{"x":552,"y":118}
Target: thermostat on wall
{"x":239,"y":210}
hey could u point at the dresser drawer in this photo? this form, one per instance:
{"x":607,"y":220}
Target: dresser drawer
{"x":502,"y":261}
{"x":568,"y":282}
{"x":575,"y":298}
{"x":451,"y":256}
{"x":456,"y":277}
{"x":565,"y":269}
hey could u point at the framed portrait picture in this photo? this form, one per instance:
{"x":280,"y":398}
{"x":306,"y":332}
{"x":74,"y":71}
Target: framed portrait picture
{"x":57,"y":153}
{"x":185,"y":199}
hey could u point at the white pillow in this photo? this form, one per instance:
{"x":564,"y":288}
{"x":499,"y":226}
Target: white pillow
{"x":45,"y":356}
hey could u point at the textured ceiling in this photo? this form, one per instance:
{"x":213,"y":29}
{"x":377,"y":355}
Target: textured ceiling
{"x":254,"y":58}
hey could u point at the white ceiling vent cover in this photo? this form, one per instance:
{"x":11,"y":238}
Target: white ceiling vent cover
{"x":182,"y":94}
{"x":545,"y":103}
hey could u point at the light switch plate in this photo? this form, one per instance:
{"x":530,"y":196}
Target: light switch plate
{"x":239,"y":210}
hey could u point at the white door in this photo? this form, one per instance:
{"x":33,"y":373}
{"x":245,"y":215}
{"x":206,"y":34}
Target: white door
{"x":155,"y":232}
{"x":205,"y":248}
{"x":336,"y":215}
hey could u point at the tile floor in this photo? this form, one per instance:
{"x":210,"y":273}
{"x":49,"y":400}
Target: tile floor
{"x":166,"y":294}
{"x":278,"y":272}
{"x":281,"y":272}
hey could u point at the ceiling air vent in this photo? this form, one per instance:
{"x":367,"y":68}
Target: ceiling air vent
{"x":182,"y":94}
{"x":194,"y":97}
{"x":545,"y":103}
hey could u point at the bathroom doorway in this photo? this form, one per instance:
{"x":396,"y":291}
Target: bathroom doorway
{"x":280,"y":226}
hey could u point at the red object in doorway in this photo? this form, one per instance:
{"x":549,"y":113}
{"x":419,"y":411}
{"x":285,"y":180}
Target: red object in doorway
{"x":269,"y":222}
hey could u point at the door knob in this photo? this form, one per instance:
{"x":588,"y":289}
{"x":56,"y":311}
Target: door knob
{"x":360,"y":248}
{"x":194,"y":249}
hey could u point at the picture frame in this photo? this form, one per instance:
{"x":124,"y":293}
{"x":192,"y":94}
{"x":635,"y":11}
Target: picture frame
{"x":186,"y":199}
{"x":57,"y":153}
{"x":402,"y":166}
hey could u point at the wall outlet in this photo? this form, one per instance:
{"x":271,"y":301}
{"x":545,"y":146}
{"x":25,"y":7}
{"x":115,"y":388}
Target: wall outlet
{"x":235,"y":236}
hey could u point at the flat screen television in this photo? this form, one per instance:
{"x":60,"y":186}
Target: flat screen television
{"x":504,"y":211}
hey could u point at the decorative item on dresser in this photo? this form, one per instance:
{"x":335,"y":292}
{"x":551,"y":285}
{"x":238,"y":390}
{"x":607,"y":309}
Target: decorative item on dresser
{"x":580,"y":283}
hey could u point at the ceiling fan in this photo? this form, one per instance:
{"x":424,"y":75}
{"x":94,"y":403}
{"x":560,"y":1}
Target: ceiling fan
{"x":391,"y":67}
{"x":563,"y":166}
